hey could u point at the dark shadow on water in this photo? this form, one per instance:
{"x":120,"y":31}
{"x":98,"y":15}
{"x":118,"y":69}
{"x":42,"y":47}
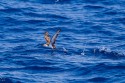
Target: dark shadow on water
{"x":8,"y":80}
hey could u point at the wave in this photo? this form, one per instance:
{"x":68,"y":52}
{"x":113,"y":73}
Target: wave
{"x":107,"y":53}
{"x":11,"y":10}
{"x":86,"y":26}
{"x":98,"y":79}
{"x":6,"y":80}
{"x":48,"y":2}
{"x":94,"y":7}
{"x":46,"y":68}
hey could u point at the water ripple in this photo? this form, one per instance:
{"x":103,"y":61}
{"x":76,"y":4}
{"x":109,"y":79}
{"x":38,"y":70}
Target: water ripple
{"x":90,"y":47}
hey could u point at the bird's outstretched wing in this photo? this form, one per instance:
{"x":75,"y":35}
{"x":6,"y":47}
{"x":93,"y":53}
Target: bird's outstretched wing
{"x":47,"y":38}
{"x":53,"y":40}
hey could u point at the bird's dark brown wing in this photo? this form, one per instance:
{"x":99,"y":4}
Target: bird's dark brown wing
{"x":53,"y":40}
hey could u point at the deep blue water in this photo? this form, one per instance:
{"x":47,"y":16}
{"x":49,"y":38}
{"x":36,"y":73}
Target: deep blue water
{"x":92,"y":32}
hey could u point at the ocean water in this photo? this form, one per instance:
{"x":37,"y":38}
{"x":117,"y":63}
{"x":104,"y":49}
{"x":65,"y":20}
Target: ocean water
{"x":90,"y":46}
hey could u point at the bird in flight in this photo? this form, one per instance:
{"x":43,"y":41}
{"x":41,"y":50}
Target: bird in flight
{"x":51,"y":41}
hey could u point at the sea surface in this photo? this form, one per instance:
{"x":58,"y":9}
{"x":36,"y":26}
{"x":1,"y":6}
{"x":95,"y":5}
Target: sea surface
{"x":89,"y":49}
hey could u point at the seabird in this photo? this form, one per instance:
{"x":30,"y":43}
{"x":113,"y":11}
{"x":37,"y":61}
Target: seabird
{"x":52,"y":41}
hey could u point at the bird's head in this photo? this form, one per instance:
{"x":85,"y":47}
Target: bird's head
{"x":46,"y":33}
